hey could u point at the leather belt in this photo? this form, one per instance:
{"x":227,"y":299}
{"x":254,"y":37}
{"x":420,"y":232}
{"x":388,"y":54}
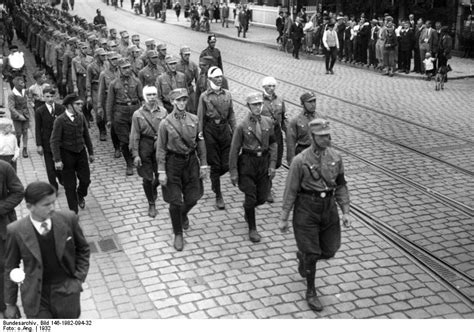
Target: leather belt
{"x":254,"y":153}
{"x":181,"y":155}
{"x":130,"y":103}
{"x":320,"y":194}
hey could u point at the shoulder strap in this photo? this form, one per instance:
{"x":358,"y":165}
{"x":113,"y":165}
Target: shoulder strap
{"x":149,"y":123}
{"x":180,"y":135}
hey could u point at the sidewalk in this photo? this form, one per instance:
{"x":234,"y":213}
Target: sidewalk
{"x":462,"y":67}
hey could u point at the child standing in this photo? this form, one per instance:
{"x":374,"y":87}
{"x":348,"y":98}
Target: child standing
{"x":428,"y":63}
{"x":9,"y":150}
{"x":18,"y":106}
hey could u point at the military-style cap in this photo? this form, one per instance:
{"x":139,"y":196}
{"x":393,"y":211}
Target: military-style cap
{"x":211,"y":38}
{"x":149,"y":42}
{"x":112,"y":43}
{"x":69,"y":99}
{"x":124,"y":34}
{"x":185,"y":50}
{"x":319,"y":127}
{"x":123,"y":63}
{"x":307,"y":96}
{"x":132,"y":48}
{"x":102,"y":41}
{"x":100,"y":51}
{"x":178,"y":93}
{"x":113,"y":55}
{"x":151,"y":53}
{"x":170,"y":59}
{"x":82,"y":45}
{"x":254,"y":98}
{"x":72,"y":40}
{"x":92,"y":38}
{"x":135,"y":36}
{"x":113,"y":30}
{"x":207,"y":60}
{"x":161,"y":46}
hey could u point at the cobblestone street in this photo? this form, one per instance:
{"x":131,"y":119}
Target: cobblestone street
{"x":408,"y":152}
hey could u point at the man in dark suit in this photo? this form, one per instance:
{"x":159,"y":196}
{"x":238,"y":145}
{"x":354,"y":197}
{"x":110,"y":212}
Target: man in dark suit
{"x":11,"y":194}
{"x":428,"y":41}
{"x":280,"y":25}
{"x":55,"y":257}
{"x":405,"y":45}
{"x":44,"y":119}
{"x":296,"y":34}
{"x":69,"y":140}
{"x":416,"y":48}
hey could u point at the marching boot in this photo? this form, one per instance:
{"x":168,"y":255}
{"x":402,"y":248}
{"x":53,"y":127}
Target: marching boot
{"x":250,"y":219}
{"x":152,"y":210}
{"x":270,"y":196}
{"x":301,"y":269}
{"x":216,"y":187}
{"x":311,"y":296}
{"x":175,"y":214}
{"x":128,"y":159}
{"x":148,"y":189}
{"x":184,"y":216}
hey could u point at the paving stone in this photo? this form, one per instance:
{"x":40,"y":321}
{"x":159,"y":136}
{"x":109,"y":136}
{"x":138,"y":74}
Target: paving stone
{"x":167,"y":312}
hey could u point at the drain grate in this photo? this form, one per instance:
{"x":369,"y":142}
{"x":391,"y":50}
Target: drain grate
{"x":104,"y":245}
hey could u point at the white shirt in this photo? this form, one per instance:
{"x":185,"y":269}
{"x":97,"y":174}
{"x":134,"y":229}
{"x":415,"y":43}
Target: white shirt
{"x":50,"y":108}
{"x":70,"y":115}
{"x":37,"y":224}
{"x":9,"y":146}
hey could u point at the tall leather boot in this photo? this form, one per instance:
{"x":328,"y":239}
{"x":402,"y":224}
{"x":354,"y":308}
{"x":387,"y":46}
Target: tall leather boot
{"x":175,"y":214}
{"x":216,"y":187}
{"x":270,"y":196}
{"x":128,"y":159}
{"x":250,"y":219}
{"x":148,"y":188}
{"x":184,"y":216}
{"x":311,"y":296}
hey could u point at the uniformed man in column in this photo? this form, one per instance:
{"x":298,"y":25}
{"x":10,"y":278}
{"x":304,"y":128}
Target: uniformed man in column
{"x":106,"y":77}
{"x":169,"y":81}
{"x":191,"y":70}
{"x":113,"y":35}
{"x":134,"y":58}
{"x":124,"y":43}
{"x":150,"y":45}
{"x":252,"y":159}
{"x":143,"y":136}
{"x":274,"y":108}
{"x":314,"y":185}
{"x":297,"y":137}
{"x":92,"y":86}
{"x":202,"y":83}
{"x":68,"y":55}
{"x":217,"y":122}
{"x":213,"y":51}
{"x":123,"y":99}
{"x":79,"y":77}
{"x":150,"y":73}
{"x":162,"y":53}
{"x":182,"y":164}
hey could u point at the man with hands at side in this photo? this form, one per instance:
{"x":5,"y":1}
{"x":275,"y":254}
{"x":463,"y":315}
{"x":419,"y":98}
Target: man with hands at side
{"x":182,"y":163}
{"x":314,"y":185}
{"x":252,"y":159}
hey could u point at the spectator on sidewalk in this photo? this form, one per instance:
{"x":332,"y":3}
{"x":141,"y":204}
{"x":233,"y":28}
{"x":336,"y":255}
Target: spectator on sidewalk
{"x":444,"y":49}
{"x":9,"y":150}
{"x":280,"y":25}
{"x":417,"y":61}
{"x":55,"y":256}
{"x":405,"y":45}
{"x":296,"y":35}
{"x":331,"y":46}
{"x":19,"y":113}
{"x":44,"y":120}
{"x":243,"y":22}
{"x":389,"y":46}
{"x":11,"y":194}
{"x":177,"y":9}
{"x":225,"y":15}
{"x":69,"y":140}
{"x":213,"y":51}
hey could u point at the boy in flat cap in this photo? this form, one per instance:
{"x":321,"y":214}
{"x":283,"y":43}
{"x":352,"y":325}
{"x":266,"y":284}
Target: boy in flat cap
{"x":180,"y":168}
{"x":69,"y":140}
{"x":252,"y":159}
{"x":314,"y":185}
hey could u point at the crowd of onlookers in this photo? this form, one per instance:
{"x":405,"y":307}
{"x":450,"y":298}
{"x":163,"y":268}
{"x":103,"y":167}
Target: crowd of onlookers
{"x":378,"y":43}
